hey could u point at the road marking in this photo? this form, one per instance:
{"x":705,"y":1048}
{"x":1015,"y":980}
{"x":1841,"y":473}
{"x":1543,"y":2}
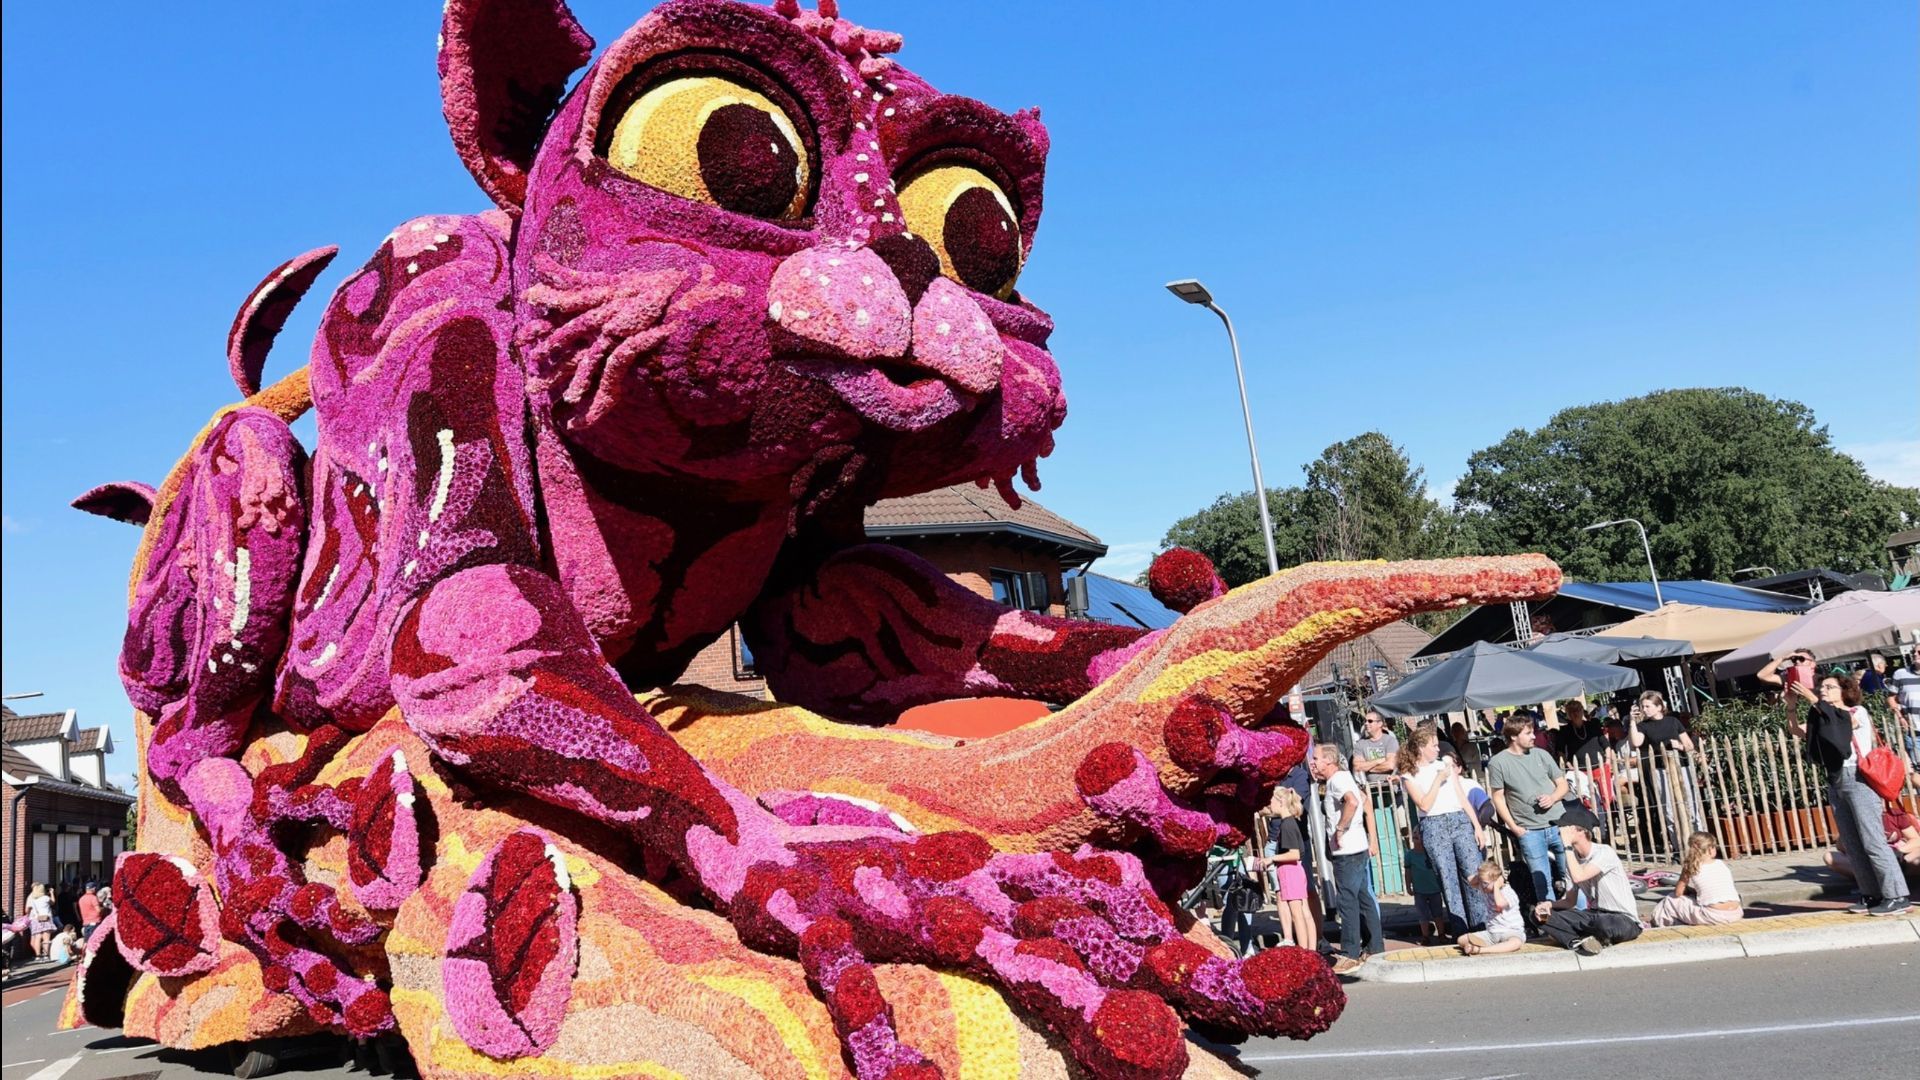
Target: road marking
{"x":17,"y":1064}
{"x":56,"y":1070}
{"x":1483,"y":1048}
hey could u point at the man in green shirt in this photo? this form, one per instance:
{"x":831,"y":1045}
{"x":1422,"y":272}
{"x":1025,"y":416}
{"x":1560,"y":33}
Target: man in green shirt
{"x":1527,"y":786}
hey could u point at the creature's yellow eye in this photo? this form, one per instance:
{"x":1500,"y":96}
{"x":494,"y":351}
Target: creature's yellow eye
{"x":971,"y":224}
{"x":710,"y":138}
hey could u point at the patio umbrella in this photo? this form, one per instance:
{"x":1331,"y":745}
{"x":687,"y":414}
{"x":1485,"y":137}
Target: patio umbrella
{"x":1608,"y":649}
{"x":1850,"y":623}
{"x":1487,"y":676}
{"x":1708,"y":629}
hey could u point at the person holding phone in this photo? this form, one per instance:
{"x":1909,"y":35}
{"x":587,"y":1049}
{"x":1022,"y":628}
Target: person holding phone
{"x":1449,"y":832}
{"x":1838,"y":733}
{"x":1666,"y":751}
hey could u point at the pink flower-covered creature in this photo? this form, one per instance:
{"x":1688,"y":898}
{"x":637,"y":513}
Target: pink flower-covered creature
{"x":745,"y":278}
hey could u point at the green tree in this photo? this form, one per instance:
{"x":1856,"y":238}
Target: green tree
{"x":1363,"y":499}
{"x":1228,"y":532}
{"x":1368,"y":501}
{"x":1721,"y":478}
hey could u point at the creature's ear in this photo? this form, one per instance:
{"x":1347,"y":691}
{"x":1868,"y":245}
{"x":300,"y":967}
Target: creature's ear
{"x":265,"y":311}
{"x":125,"y":500}
{"x":504,"y":66}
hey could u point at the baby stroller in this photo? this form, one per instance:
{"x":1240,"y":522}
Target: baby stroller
{"x":1226,"y":884}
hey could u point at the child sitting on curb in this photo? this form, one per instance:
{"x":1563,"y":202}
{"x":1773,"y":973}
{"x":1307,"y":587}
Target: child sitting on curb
{"x":1715,"y":900}
{"x":1504,"y":932}
{"x":65,"y":948}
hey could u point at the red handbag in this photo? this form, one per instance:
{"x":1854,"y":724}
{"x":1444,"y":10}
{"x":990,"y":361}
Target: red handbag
{"x":1883,"y":772}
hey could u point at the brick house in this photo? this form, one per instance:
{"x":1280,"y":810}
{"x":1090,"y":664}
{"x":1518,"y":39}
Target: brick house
{"x":1018,"y":557}
{"x":60,"y":818}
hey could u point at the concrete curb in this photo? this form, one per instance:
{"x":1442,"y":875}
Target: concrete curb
{"x":1853,"y":933}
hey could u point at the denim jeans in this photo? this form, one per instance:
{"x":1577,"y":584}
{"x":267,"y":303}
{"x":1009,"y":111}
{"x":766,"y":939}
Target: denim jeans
{"x":1856,"y":812}
{"x":1353,"y":876}
{"x":1448,"y":839}
{"x":1913,"y":749}
{"x":1547,"y":857}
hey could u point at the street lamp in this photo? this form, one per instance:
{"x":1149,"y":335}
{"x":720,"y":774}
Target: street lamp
{"x":1648,"y":548}
{"x":1756,"y":569}
{"x":1195,"y":293}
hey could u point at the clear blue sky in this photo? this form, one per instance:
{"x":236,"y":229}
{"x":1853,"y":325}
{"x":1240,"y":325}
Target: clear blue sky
{"x":1443,"y":221}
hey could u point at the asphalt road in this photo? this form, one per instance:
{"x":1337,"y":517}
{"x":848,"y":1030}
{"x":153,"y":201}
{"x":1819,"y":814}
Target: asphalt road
{"x":1854,"y":1013}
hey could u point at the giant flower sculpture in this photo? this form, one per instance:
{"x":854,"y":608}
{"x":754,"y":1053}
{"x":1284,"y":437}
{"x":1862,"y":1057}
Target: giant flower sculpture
{"x":412,"y":757}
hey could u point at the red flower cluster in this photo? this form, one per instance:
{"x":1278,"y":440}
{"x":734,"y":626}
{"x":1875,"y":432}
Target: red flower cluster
{"x":1183,"y":579}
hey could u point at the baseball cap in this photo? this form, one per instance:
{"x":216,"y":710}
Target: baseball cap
{"x":1581,"y":816}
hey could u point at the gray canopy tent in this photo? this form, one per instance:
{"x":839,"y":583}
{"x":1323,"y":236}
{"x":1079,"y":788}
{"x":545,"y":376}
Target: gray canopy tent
{"x":1604,"y":649}
{"x":1488,"y":676}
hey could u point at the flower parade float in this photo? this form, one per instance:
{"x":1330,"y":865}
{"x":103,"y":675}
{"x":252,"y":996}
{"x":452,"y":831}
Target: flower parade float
{"x":413,"y":763}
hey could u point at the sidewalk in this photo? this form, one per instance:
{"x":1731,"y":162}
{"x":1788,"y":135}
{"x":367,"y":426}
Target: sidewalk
{"x":1774,"y":884}
{"x":1815,"y":932}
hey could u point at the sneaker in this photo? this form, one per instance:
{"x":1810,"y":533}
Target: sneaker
{"x":1862,"y":905}
{"x":1589,"y":946}
{"x":1346,"y":965}
{"x":1891,"y":907}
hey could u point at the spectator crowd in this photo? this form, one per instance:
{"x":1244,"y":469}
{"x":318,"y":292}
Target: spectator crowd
{"x":1411,"y":794}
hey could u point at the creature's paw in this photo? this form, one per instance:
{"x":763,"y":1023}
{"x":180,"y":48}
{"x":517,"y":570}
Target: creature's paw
{"x":1183,"y":758}
{"x":1171,"y":751}
{"x":1080,"y":942}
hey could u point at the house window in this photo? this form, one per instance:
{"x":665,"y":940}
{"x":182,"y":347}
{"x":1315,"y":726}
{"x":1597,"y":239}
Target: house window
{"x":1024,"y":589}
{"x":743,"y":657}
{"x":66,"y":858}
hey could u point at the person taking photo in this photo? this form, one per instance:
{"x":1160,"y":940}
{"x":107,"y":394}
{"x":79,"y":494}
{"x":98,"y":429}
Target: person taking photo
{"x":1838,"y":733}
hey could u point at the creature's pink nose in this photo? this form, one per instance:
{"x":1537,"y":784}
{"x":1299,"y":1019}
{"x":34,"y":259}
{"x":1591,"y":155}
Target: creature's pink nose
{"x":845,"y":300}
{"x":851,"y":303}
{"x":952,"y":336}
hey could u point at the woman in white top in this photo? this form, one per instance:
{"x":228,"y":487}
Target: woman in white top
{"x":1449,"y":832}
{"x":40,"y":921}
{"x":1714,"y":899}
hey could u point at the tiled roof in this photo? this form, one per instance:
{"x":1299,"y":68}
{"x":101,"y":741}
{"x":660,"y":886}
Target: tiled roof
{"x":966,"y":508}
{"x":86,"y":739}
{"x":1392,"y":645}
{"x":18,"y":765}
{"x":42,"y":726}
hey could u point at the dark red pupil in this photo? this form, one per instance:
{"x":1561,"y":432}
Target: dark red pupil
{"x":982,"y":240}
{"x":747,"y":163}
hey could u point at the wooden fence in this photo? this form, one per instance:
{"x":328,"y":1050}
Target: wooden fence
{"x":1756,"y":793}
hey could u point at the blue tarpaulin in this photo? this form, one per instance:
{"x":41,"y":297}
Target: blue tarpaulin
{"x":1638,"y":595}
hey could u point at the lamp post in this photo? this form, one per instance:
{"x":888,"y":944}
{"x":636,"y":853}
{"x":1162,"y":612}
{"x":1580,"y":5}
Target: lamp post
{"x":1195,"y":293}
{"x":1644,"y":546}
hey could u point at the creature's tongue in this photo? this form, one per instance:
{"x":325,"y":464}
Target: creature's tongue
{"x":914,"y":407}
